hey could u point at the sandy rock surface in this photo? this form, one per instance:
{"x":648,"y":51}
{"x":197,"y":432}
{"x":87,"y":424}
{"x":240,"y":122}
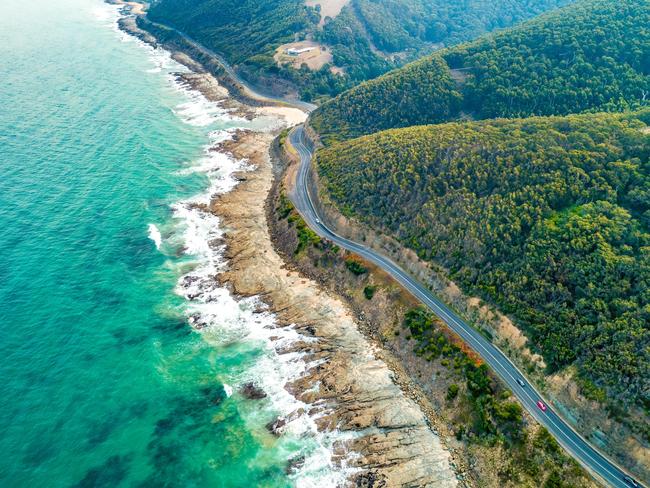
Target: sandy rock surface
{"x":350,"y":389}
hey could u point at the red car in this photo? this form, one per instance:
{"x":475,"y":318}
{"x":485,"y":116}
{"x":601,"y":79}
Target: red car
{"x":541,"y":406}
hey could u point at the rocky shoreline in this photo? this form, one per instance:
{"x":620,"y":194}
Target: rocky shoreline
{"x":350,"y":389}
{"x":348,"y":386}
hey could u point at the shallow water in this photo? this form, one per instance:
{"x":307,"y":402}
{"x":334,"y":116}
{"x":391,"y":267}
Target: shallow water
{"x":103,"y":381}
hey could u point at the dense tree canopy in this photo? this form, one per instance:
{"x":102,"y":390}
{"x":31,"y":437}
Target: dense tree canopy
{"x":548,"y":218}
{"x":593,"y":55}
{"x":396,"y":25}
{"x":367,"y":39}
{"x":431,"y":95}
{"x":239,"y":29}
{"x":370,"y":37}
{"x":247,"y":33}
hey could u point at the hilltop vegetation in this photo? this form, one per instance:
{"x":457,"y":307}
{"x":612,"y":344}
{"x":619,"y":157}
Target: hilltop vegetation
{"x":430,"y":95}
{"x":370,"y":37}
{"x":246,"y":33}
{"x":593,"y":55}
{"x":409,"y":24}
{"x":548,"y":218}
{"x":367,"y":39}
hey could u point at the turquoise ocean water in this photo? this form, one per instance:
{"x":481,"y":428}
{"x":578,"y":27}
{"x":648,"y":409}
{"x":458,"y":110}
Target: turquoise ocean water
{"x":102,"y":380}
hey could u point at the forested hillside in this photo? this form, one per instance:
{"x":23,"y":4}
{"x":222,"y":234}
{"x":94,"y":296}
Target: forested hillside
{"x":367,"y":39}
{"x":548,"y":218}
{"x":370,"y":37}
{"x":593,"y":55}
{"x":246,"y":33}
{"x":396,"y":26}
{"x":238,"y":29}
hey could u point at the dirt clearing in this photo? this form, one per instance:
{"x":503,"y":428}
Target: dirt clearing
{"x":314,"y":55}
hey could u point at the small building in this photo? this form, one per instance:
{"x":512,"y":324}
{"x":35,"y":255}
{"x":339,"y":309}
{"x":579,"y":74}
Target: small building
{"x":292,"y":51}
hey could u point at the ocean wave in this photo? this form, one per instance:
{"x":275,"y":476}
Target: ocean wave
{"x":107,"y":13}
{"x":161,"y":59}
{"x":199,"y":111}
{"x":223,"y":319}
{"x":154,"y":235}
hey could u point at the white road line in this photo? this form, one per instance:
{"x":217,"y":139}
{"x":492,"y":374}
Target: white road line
{"x":500,"y":363}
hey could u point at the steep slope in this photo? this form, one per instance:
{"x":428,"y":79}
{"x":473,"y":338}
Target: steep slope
{"x":239,"y":29}
{"x":593,"y":55}
{"x":370,"y":37}
{"x":425,"y":92}
{"x":247,"y":33}
{"x":548,"y":218}
{"x":367,"y":38}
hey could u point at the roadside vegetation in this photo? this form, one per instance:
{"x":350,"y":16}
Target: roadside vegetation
{"x":542,"y":214}
{"x":355,"y":266}
{"x":493,"y":435}
{"x":547,"y":218}
{"x":369,"y":291}
{"x":486,"y":414}
{"x":306,"y":236}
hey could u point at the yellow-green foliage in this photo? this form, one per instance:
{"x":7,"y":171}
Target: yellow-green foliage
{"x":545,"y":217}
{"x":306,"y":236}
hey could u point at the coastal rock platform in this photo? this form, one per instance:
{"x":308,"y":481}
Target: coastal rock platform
{"x":350,"y":389}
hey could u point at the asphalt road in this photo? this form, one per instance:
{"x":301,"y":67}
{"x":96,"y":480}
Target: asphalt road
{"x":576,"y":445}
{"x":253,"y":92}
{"x":594,"y":461}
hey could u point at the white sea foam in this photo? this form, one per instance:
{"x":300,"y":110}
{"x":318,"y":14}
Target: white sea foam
{"x":154,"y":235}
{"x":199,"y":112}
{"x":161,"y":59}
{"x":223,"y":319}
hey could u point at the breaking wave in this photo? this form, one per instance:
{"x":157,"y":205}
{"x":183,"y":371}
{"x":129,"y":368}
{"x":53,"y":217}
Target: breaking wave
{"x":224,"y":320}
{"x":154,"y":235}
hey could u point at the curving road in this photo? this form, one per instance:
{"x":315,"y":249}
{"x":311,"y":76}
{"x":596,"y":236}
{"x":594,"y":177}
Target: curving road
{"x":595,"y":462}
{"x":576,"y":445}
{"x":253,"y":92}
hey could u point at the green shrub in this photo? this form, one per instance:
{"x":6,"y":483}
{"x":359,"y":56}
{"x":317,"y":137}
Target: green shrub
{"x":306,"y":236}
{"x":369,"y":291}
{"x":452,"y":391}
{"x":355,"y":266}
{"x":285,"y":206}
